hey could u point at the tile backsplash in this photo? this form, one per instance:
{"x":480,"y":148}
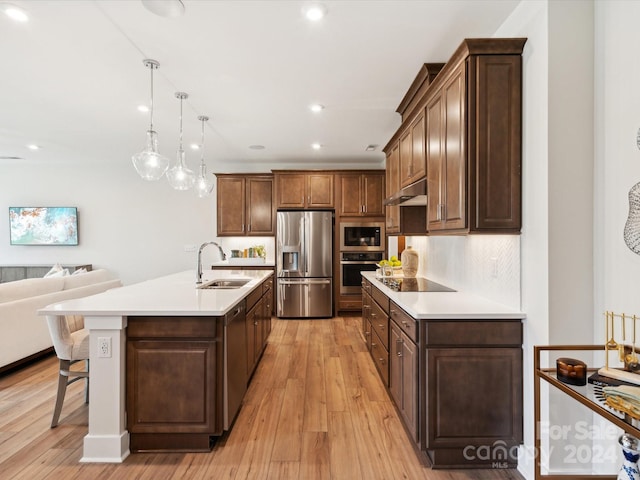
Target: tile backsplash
{"x":486,"y":265}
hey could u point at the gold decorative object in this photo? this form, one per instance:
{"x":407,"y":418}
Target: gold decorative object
{"x":629,"y":371}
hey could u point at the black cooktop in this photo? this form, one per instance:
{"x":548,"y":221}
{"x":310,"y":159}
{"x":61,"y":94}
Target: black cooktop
{"x":417,"y":284}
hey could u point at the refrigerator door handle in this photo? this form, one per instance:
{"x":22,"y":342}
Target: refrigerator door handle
{"x":325,"y":281}
{"x":305,"y":227}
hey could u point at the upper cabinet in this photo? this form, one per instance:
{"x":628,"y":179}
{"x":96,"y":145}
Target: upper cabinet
{"x":412,"y":160}
{"x":467,"y":125}
{"x":245,"y":205}
{"x":304,"y":190}
{"x":361,"y":194}
{"x":393,"y":185}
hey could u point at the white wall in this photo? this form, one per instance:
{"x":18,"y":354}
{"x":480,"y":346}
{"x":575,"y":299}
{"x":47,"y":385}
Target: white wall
{"x":135,"y":228}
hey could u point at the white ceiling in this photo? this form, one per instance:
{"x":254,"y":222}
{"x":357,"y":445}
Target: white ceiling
{"x":73,"y":76}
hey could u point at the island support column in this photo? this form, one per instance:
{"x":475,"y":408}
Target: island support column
{"x":108,"y":438}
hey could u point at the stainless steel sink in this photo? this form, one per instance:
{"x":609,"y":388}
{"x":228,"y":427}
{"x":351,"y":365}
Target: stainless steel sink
{"x":225,"y":284}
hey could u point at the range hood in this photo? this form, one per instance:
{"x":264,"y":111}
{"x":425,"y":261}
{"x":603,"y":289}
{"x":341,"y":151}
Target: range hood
{"x":414,"y":194}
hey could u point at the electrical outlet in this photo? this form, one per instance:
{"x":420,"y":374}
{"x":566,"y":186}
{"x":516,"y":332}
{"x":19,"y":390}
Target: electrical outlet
{"x":190,"y":248}
{"x":104,"y":347}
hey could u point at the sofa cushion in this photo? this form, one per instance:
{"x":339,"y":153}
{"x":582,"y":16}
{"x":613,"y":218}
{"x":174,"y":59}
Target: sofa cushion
{"x":94,"y":276}
{"x":29,"y":287}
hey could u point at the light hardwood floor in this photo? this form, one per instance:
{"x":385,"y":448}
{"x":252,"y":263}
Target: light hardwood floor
{"x":315,"y":409}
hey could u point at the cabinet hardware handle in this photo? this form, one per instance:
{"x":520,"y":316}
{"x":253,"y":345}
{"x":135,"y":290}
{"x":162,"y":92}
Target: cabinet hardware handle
{"x":381,"y":325}
{"x":373,"y":344}
{"x":393,"y":312}
{"x":255,"y":323}
{"x":243,"y":227}
{"x":249,"y":228}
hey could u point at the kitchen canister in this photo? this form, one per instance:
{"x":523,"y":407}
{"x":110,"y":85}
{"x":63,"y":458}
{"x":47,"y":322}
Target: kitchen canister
{"x":409,"y":259}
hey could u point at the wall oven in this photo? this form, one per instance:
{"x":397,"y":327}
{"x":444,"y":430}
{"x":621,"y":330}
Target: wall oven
{"x":351,"y":264}
{"x":362,"y":237}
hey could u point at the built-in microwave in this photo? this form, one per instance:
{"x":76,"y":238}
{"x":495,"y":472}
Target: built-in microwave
{"x":362,"y":237}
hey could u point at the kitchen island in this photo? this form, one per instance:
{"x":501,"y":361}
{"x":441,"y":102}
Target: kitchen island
{"x":452,"y":364}
{"x":178,"y":334}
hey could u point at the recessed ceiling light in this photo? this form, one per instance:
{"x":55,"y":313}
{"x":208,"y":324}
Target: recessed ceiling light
{"x":316,"y":146}
{"x":14,"y":13}
{"x":195,"y":146}
{"x":33,"y":147}
{"x":370,"y":148}
{"x":143,"y":108}
{"x":257,"y":147}
{"x":316,"y":107}
{"x":164,"y":8}
{"x":314,"y":12}
{"x":8,"y":157}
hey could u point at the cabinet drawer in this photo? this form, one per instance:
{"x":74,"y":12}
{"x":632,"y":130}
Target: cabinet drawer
{"x":267,"y":286}
{"x":407,"y":323}
{"x":253,"y":297}
{"x":381,"y":298}
{"x":473,"y":333}
{"x":380,"y":323}
{"x":380,"y":357}
{"x":366,"y":285}
{"x":173,"y":327}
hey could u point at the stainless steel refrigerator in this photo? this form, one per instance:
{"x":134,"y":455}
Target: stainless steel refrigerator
{"x":304,"y":259}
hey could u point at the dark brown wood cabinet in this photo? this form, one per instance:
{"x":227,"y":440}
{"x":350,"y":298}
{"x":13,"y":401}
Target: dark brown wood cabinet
{"x":474,"y":109}
{"x":392,"y":186}
{"x":174,"y":382}
{"x":467,"y":126}
{"x":463,"y":358}
{"x":361,"y":194}
{"x":258,"y":322}
{"x":412,"y":159}
{"x":245,"y":205}
{"x":304,"y":189}
{"x":457,"y":384}
{"x":446,"y":146}
{"x":403,"y":377}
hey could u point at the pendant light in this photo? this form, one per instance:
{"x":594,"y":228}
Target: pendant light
{"x":180,"y":177}
{"x":149,"y":164}
{"x":204,"y":186}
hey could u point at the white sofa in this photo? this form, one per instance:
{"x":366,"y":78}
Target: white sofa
{"x":24,"y":333}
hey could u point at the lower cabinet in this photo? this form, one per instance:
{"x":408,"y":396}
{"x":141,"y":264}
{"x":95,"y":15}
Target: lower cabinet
{"x":456,"y":383}
{"x":473,"y":392}
{"x":403,"y":378}
{"x":174,"y":382}
{"x":258,"y":322}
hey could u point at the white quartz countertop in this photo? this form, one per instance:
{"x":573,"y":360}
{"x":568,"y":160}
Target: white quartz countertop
{"x":446,"y":305}
{"x":171,"y":295}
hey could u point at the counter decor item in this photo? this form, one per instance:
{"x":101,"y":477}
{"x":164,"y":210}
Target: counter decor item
{"x":409,"y":259}
{"x":571,"y":371}
{"x":629,"y":469}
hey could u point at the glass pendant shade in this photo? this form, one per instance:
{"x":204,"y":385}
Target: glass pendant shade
{"x":204,"y":186}
{"x":149,"y":164}
{"x":180,"y":177}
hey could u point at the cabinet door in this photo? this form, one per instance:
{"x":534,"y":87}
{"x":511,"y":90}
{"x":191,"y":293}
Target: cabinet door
{"x":252,"y":322}
{"x":231,"y":206}
{"x":395,"y":365}
{"x":410,"y":385}
{"x":260,"y":212}
{"x":320,"y":190}
{"x":417,"y":149}
{"x":372,"y":194}
{"x":350,"y":195}
{"x":393,"y":185}
{"x":434,"y":156}
{"x":172,"y":387}
{"x":406,"y":146}
{"x":495,"y":124}
{"x":455,"y":171}
{"x":290,"y":188}
{"x":473,"y":397}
